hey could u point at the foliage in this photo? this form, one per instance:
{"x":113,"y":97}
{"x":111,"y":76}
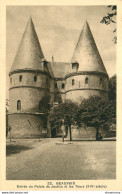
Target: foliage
{"x":7,"y":106}
{"x":111,"y":18}
{"x":111,"y":112}
{"x":97,"y":112}
{"x":93,"y":112}
{"x":8,"y":127}
{"x":66,"y":111}
{"x":112,"y":88}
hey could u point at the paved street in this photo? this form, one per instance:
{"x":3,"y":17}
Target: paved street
{"x":51,"y":159}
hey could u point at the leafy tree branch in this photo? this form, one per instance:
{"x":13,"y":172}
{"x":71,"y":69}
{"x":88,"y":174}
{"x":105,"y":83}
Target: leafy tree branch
{"x":111,"y":18}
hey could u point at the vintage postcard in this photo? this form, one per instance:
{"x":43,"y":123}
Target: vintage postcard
{"x":60,"y":92}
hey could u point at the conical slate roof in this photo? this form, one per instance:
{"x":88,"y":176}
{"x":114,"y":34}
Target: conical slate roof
{"x":29,"y":53}
{"x":86,"y":52}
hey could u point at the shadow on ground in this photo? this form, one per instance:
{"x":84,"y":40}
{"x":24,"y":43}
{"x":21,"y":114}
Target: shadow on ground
{"x":16,"y":149}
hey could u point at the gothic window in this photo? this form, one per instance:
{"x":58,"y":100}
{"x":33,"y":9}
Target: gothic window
{"x":40,"y":105}
{"x":20,"y":78}
{"x":18,"y":105}
{"x":100,"y":81}
{"x":73,"y":82}
{"x":35,"y":78}
{"x":55,"y":85}
{"x":86,"y":80}
{"x":11,"y":80}
{"x":63,"y":86}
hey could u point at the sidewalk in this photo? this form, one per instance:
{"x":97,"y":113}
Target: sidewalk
{"x":91,"y":139}
{"x":59,"y":140}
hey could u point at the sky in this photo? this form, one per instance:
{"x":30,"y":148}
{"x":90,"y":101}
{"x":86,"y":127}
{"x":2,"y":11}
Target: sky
{"x":58,"y":29}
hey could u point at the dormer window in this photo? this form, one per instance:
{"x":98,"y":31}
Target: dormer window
{"x":73,"y":82}
{"x":63,"y":86}
{"x":45,"y":64}
{"x":35,"y":78}
{"x":75,"y":66}
{"x":86,"y":80}
{"x":20,"y":78}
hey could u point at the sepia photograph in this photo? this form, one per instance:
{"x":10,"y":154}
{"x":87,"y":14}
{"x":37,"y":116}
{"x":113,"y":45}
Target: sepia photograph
{"x":61,"y":92}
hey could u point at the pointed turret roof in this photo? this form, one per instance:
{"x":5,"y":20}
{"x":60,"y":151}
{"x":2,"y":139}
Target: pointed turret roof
{"x":29,"y":53}
{"x":86,"y":52}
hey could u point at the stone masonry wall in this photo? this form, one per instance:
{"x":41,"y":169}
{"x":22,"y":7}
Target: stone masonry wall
{"x":27,"y":126}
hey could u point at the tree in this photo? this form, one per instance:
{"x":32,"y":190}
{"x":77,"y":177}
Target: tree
{"x":112,"y":88}
{"x":111,"y":18}
{"x":96,"y":112}
{"x":66,"y":111}
{"x":112,"y":98}
{"x":7,"y":127}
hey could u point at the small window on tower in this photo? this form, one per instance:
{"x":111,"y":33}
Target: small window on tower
{"x":73,"y":82}
{"x":40,"y":105}
{"x":11,"y":80}
{"x":35,"y":78}
{"x":46,"y":81}
{"x":56,"y":85}
{"x":86,"y":80}
{"x":63,"y":86}
{"x":18,"y":105}
{"x":20,"y":78}
{"x":100,"y":81}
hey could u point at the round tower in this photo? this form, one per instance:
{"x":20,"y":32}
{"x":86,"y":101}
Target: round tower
{"x":29,"y":91}
{"x":87,"y":75}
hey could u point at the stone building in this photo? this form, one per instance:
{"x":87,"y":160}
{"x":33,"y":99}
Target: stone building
{"x":37,"y":84}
